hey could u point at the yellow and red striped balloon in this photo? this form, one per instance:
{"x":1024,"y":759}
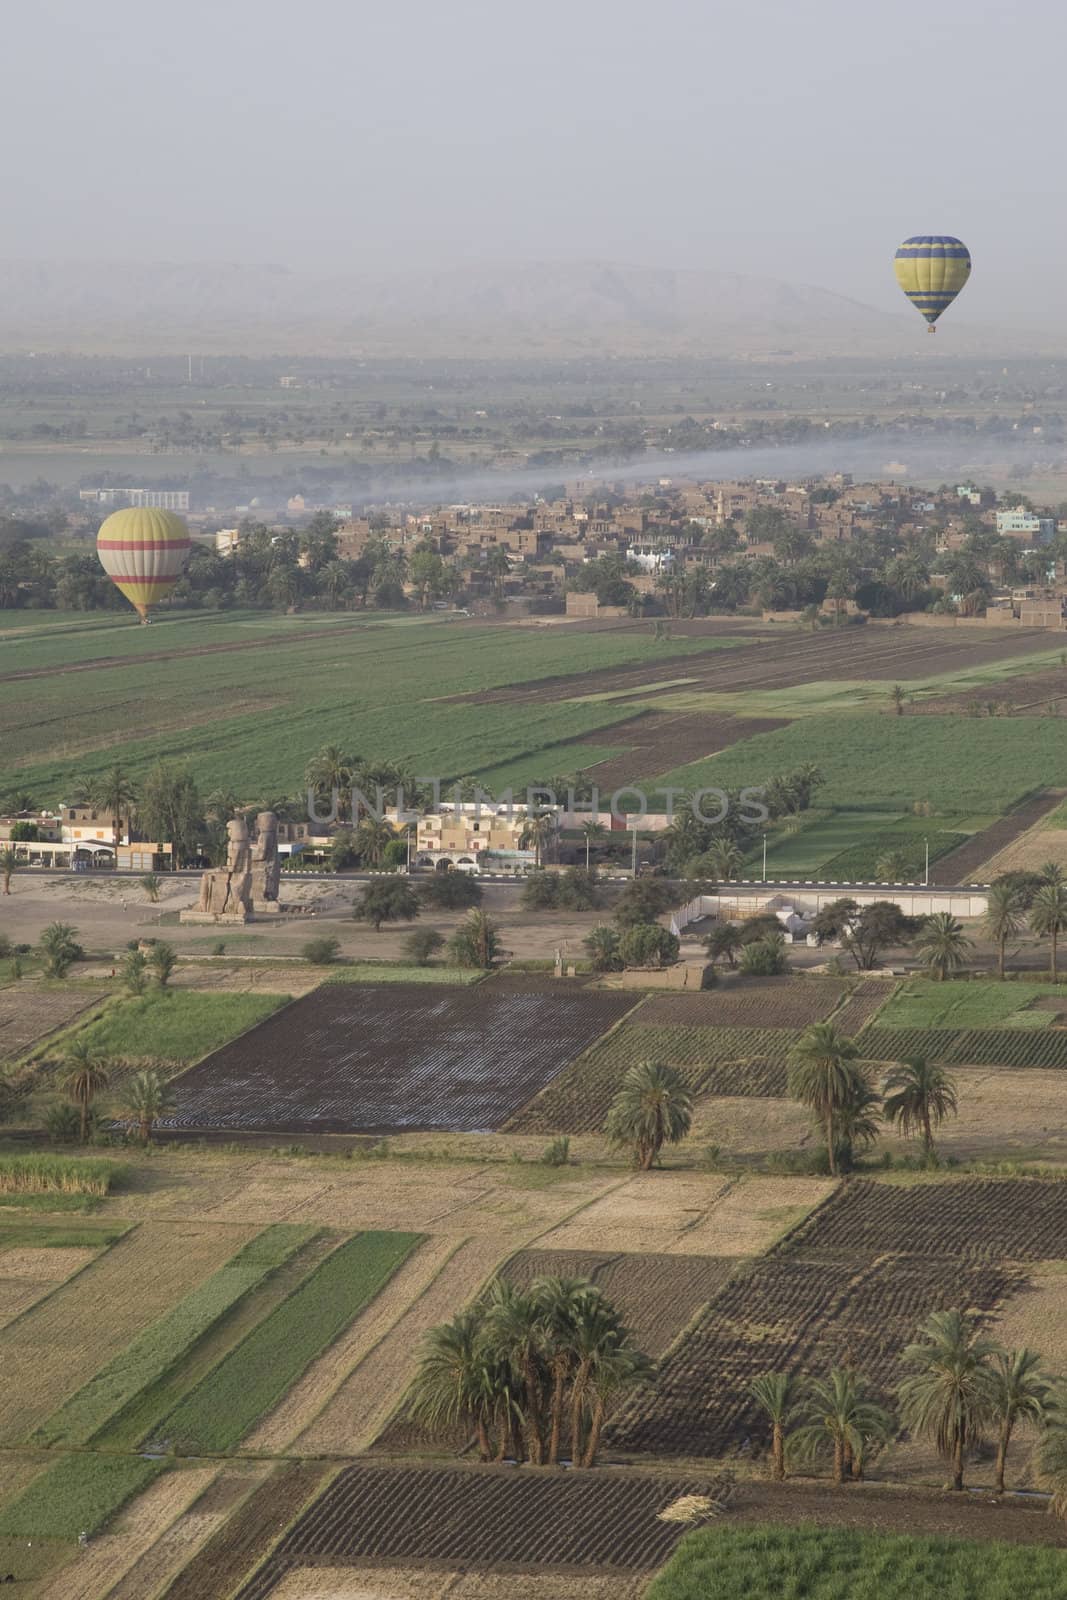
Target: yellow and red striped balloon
{"x":143,"y":551}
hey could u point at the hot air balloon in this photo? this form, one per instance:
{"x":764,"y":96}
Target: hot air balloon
{"x":931,"y":269}
{"x":143,"y":551}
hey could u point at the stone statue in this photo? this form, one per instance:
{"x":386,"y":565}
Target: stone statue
{"x":227,"y":891}
{"x":266,"y":868}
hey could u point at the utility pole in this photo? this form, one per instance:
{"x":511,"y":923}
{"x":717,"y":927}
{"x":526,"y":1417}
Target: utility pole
{"x":765,"y":858}
{"x":926,"y":873}
{"x":634,"y":860}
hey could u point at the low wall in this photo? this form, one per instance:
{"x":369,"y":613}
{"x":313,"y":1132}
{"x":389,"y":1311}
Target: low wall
{"x":738,"y":901}
{"x":683,"y":975}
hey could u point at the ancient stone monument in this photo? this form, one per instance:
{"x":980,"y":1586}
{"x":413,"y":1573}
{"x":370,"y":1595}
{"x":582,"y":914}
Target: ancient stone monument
{"x":247,"y":886}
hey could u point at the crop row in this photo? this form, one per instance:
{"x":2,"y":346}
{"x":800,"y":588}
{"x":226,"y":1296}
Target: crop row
{"x":796,"y":1315}
{"x":865,"y":1001}
{"x":740,"y":1002}
{"x":78,"y":1494}
{"x":709,"y":1060}
{"x":255,"y":1375}
{"x":985,"y":1047}
{"x":1014,"y":1219}
{"x":156,"y":1350}
{"x":481,"y":1518}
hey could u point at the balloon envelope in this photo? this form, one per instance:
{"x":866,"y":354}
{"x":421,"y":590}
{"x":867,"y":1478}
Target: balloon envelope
{"x":143,"y":551}
{"x":931,"y":269}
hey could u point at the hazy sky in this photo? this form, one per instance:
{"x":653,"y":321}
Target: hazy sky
{"x":795,"y":138}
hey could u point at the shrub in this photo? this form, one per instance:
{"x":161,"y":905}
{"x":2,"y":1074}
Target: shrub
{"x":602,"y":946}
{"x":321,"y":952}
{"x":648,"y":945}
{"x":451,"y":891}
{"x":558,"y":1153}
{"x":59,"y":949}
{"x":62,"y":1123}
{"x":387,"y":900}
{"x":540,"y":892}
{"x":422,"y":944}
{"x":578,"y":890}
{"x":476,"y":943}
{"x":643,"y":900}
{"x":765,"y":958}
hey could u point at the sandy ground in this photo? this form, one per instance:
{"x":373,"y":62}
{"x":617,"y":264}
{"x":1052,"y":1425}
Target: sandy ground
{"x":1028,"y":853}
{"x":411,"y":1583}
{"x":108,"y":912}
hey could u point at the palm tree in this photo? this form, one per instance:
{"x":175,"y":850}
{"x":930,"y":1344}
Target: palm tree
{"x":724,"y":940}
{"x":515,"y":1336}
{"x":949,"y":1396}
{"x":892,"y":867}
{"x":943,"y":945}
{"x":824,"y":1076}
{"x":147,"y":1097}
{"x":8,"y":862}
{"x":593,"y":832}
{"x":331,"y":770}
{"x":1052,"y":872}
{"x":919,"y":1095}
{"x":605,"y":1362}
{"x":776,"y":1394}
{"x":373,"y":836}
{"x":538,"y":831}
{"x":858,"y":1121}
{"x":85,"y":1075}
{"x":162,"y":959}
{"x":561,"y":1305}
{"x":453,"y":1382}
{"x":1021,"y":1393}
{"x":898,"y":697}
{"x":837,"y":1412}
{"x":1048,"y":916}
{"x":115,"y":794}
{"x":652,"y":1108}
{"x":59,"y":946}
{"x":618,"y":1366}
{"x":1004,"y":917}
{"x":151,"y":885}
{"x":135,"y":972}
{"x":724,"y":859}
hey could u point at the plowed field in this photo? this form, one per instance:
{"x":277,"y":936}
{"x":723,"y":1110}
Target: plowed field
{"x":978,"y":1047}
{"x":366,"y":1057}
{"x":481,"y":1518}
{"x":29,"y":1012}
{"x":740,"y":1002}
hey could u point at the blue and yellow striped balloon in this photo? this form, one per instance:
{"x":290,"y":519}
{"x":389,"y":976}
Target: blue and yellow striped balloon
{"x":931,"y":269}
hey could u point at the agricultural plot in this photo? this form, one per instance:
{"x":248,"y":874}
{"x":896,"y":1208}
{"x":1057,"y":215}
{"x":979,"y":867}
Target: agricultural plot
{"x":970,"y":860}
{"x":482,"y":1518}
{"x":710,"y":1061}
{"x":985,"y":1047}
{"x":29,"y":1273}
{"x":177,"y":1025}
{"x":862,"y":1005}
{"x":30,"y":1012}
{"x":351,"y":1058}
{"x":740,"y":1002}
{"x":657,"y":1295}
{"x":921,"y":1003}
{"x":850,"y":1284}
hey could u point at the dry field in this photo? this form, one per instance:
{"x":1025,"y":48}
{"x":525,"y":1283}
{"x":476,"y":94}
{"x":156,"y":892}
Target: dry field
{"x":978,"y":860}
{"x":56,"y":1346}
{"x":28,"y":1274}
{"x":422,"y":1583}
{"x":1029,"y":852}
{"x":738,"y":1002}
{"x":30,"y":1011}
{"x":368,"y":1057}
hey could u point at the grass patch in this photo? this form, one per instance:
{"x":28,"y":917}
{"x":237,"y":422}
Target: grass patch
{"x":60,"y":1235}
{"x":157,"y":1349}
{"x":976,"y":1004}
{"x":79,"y":1494}
{"x":177,"y":1025}
{"x":58,"y":1175}
{"x":831,"y":1564}
{"x":255,"y":1376}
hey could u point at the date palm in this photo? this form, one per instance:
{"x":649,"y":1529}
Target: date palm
{"x":593,"y":833}
{"x":332,"y":770}
{"x":776,"y":1394}
{"x":724,"y":860}
{"x":86,"y":1074}
{"x":147,"y":1097}
{"x":892,"y":867}
{"x":162,"y":960}
{"x":1052,"y":1456}
{"x":943,"y":945}
{"x":115,"y":794}
{"x":652,"y":1108}
{"x":8,"y":863}
{"x":372,"y":839}
{"x":561,"y":1304}
{"x":538,"y":831}
{"x":824,"y":1076}
{"x":837,"y":1413}
{"x":949,"y":1395}
{"x":1004,"y":917}
{"x":1021,"y":1393}
{"x":516,"y":1337}
{"x":454,"y":1383}
{"x":1052,"y":872}
{"x":918,"y":1096}
{"x":1048,"y":917}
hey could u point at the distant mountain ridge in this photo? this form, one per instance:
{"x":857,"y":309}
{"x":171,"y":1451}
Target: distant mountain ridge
{"x":528,"y":309}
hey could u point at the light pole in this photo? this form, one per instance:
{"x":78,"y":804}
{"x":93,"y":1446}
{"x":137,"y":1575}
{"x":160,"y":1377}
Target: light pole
{"x":926,"y":872}
{"x":634,"y":859}
{"x":764,"y":858}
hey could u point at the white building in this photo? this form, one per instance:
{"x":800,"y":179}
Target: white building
{"x":1018,"y":523}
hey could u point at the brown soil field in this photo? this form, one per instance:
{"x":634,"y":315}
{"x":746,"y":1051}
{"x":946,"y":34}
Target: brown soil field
{"x":865,"y":1001}
{"x":970,"y":860}
{"x":189,"y":1532}
{"x":1029,"y":691}
{"x":1029,"y":852}
{"x":358,"y":1411}
{"x":27,"y":1275}
{"x":480,"y":1517}
{"x":677,"y":1213}
{"x":311,"y":1393}
{"x":898,"y":654}
{"x":661,"y":740}
{"x":422,"y":1583}
{"x":30,"y":1011}
{"x":739,"y":1002}
{"x":657,"y":1295}
{"x":112,"y":1555}
{"x":57,"y":1346}
{"x":378,"y":1058}
{"x":245,"y":1538}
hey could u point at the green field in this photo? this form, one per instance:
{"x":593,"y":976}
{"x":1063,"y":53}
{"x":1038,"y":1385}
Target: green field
{"x":80,"y":1493}
{"x":255,"y":1375}
{"x":841,"y":1564}
{"x":923,"y":1004}
{"x":177,"y":1024}
{"x":156,"y":1350}
{"x":846,"y":846}
{"x":880,"y":763}
{"x":250,"y":718}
